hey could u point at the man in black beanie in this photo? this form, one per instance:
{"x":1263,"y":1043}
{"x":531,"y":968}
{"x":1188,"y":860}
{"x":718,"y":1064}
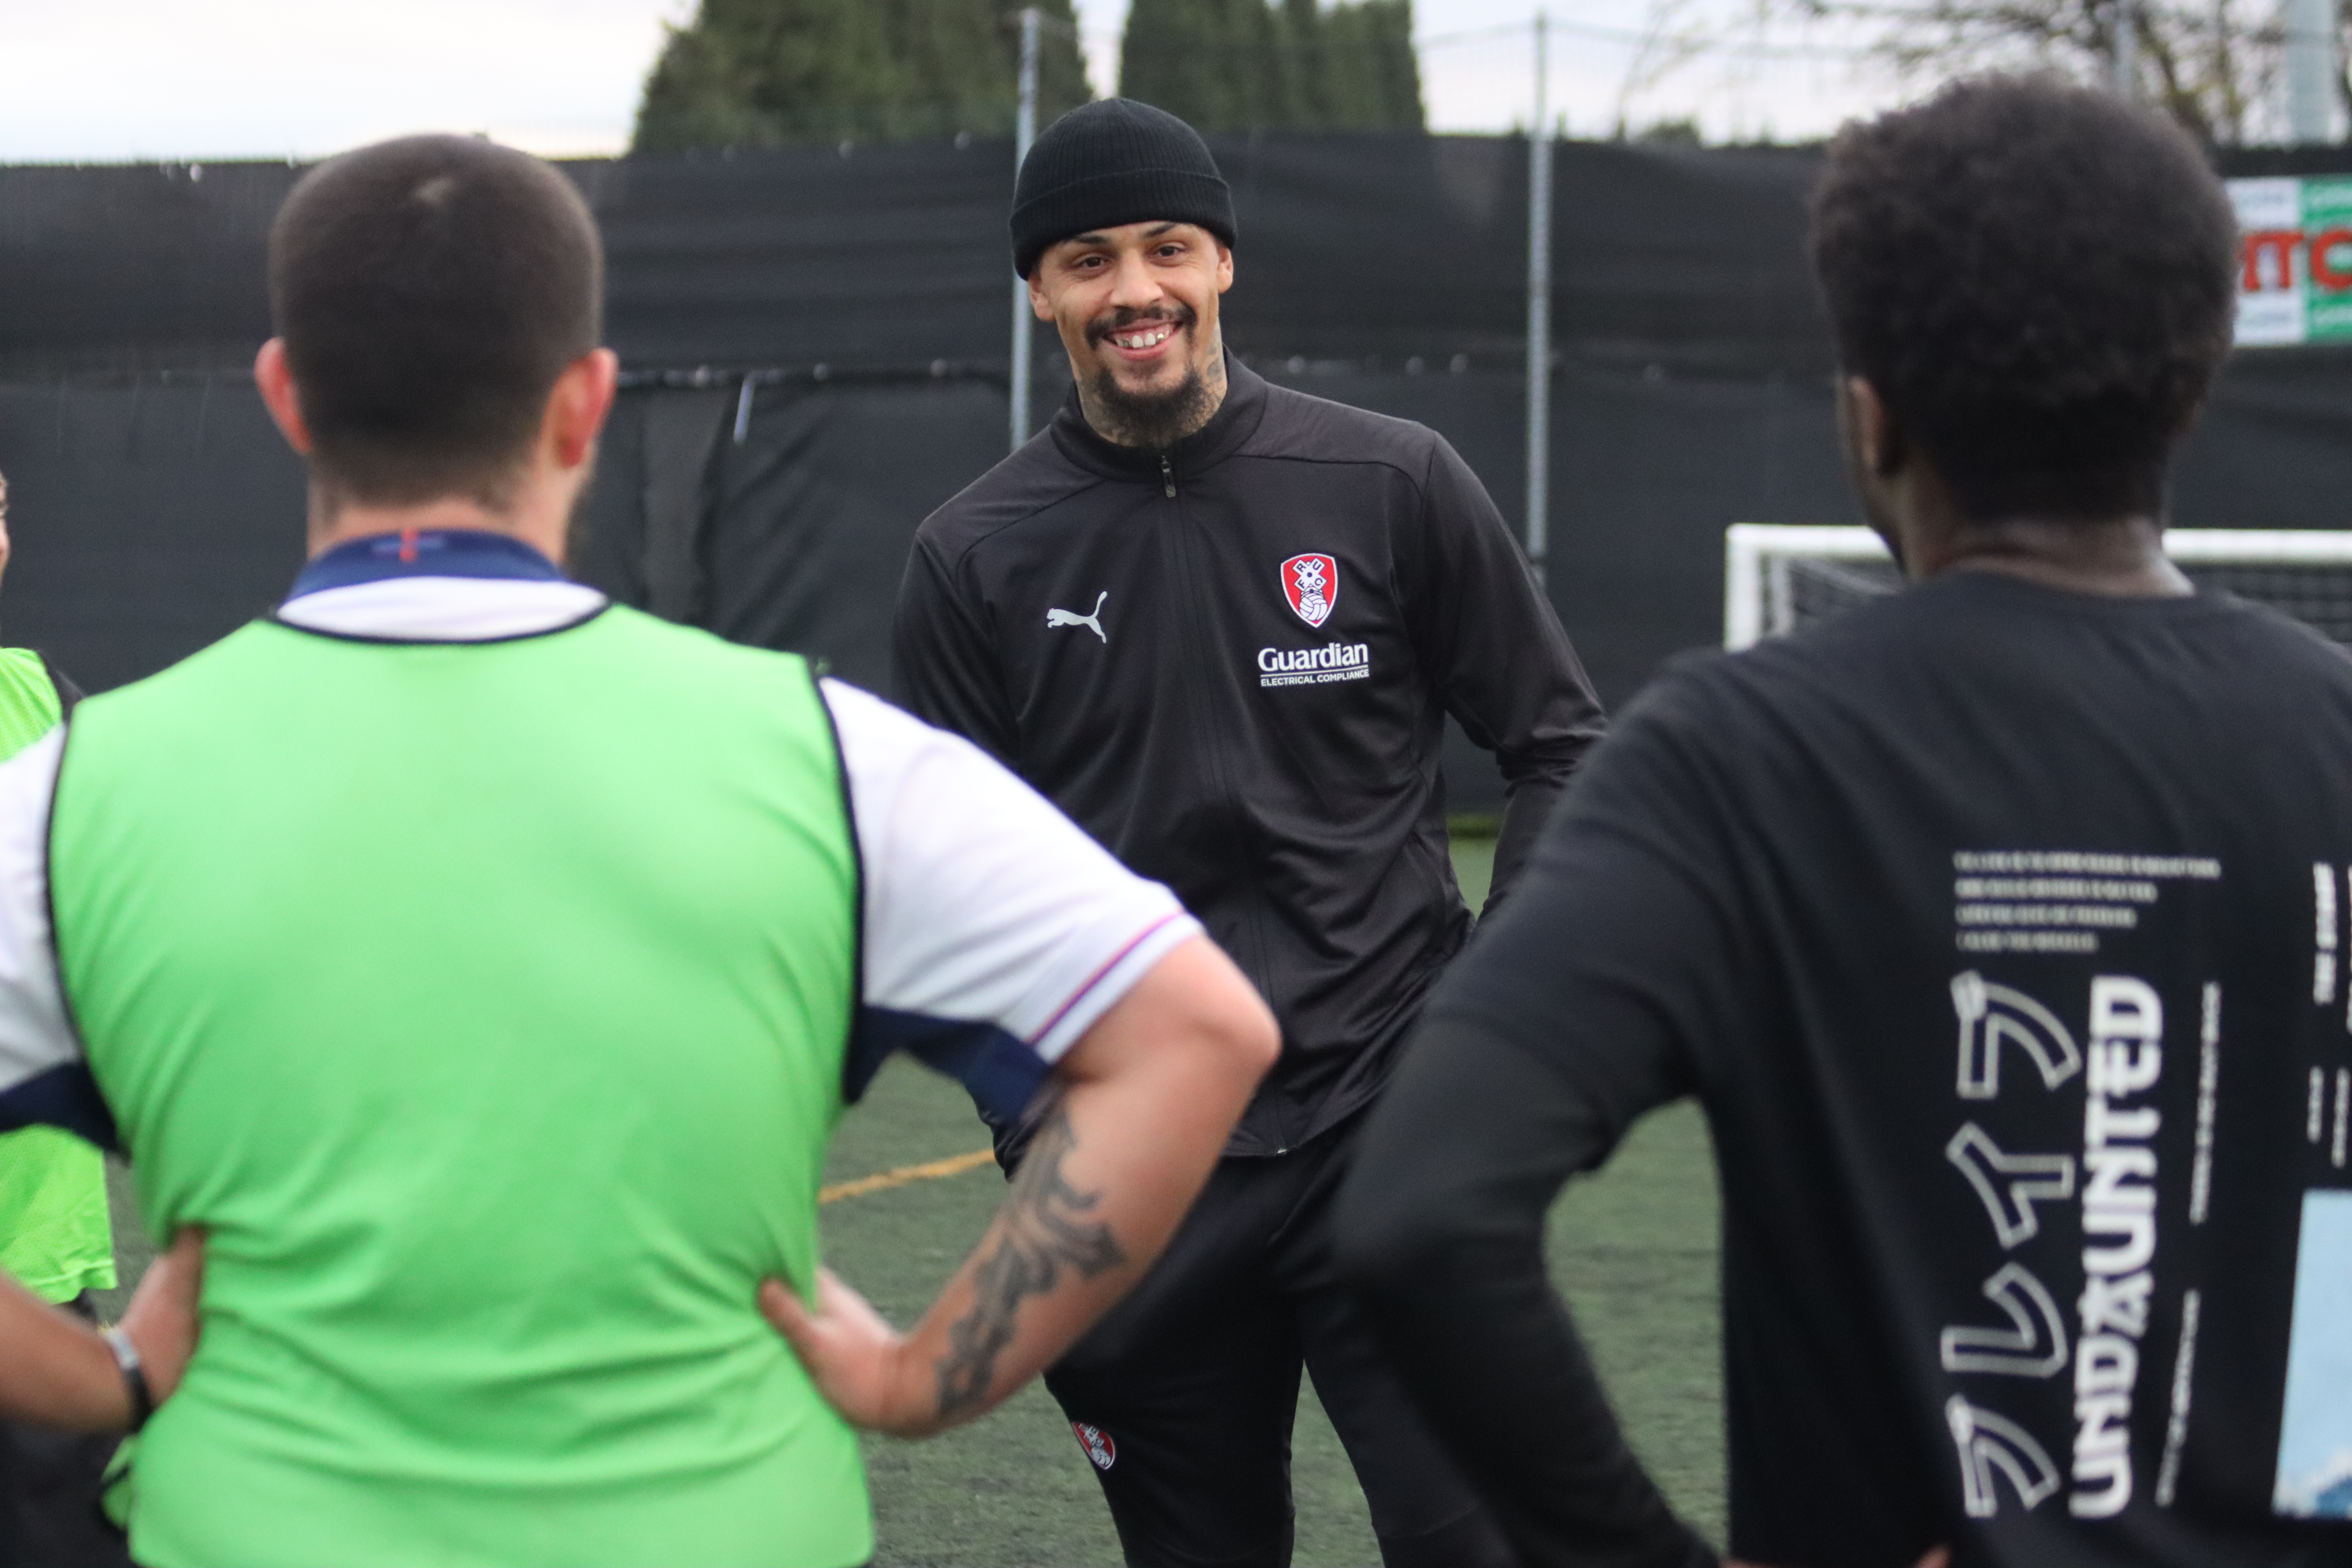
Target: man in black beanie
{"x":1221,"y":624}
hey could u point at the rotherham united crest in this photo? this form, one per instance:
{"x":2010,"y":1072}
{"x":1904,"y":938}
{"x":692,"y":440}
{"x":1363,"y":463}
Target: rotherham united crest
{"x":1312,"y":584}
{"x":1097,"y":1445}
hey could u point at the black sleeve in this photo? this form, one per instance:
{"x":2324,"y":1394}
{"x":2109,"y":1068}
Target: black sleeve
{"x":1505,"y":669}
{"x":1569,"y":1015}
{"x":946,"y":666}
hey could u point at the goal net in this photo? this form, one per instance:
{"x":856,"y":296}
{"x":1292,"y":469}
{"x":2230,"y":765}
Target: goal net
{"x":1778,"y":576}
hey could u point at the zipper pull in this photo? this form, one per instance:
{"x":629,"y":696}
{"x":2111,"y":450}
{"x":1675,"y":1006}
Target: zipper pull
{"x":1167,"y":474}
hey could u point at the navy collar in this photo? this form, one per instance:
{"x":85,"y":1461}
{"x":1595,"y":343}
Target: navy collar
{"x":425,"y":552}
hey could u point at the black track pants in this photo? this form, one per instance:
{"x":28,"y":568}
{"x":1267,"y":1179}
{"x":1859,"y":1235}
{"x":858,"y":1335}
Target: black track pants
{"x":49,"y":1515}
{"x":1183,"y":1396}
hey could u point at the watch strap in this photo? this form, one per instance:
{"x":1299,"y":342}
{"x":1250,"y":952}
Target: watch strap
{"x":135,"y":1376}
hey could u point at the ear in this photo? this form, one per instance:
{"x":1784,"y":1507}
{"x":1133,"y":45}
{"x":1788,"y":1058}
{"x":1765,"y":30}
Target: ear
{"x":1040,"y":305}
{"x":577,"y":406}
{"x":1224,"y":266}
{"x":1880,"y":447}
{"x":275,"y":379}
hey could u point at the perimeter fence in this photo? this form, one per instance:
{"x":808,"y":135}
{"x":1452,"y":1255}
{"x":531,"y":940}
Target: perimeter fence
{"x":816,"y":356}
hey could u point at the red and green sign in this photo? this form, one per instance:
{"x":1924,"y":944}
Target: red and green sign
{"x":2294,"y":277}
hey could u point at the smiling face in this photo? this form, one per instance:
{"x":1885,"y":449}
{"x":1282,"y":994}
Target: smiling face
{"x":1137,"y":310}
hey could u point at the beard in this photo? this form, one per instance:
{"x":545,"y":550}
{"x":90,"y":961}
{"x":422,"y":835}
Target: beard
{"x":1155,"y":420}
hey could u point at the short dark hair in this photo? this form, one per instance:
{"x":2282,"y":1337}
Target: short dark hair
{"x":2039,"y":281}
{"x":429,"y":290}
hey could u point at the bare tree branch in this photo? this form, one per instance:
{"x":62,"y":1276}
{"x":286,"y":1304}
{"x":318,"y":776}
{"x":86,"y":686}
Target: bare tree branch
{"x":2213,"y":65}
{"x":1669,"y":41}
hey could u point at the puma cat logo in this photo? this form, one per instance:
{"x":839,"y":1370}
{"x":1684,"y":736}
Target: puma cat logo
{"x":1072,"y":618}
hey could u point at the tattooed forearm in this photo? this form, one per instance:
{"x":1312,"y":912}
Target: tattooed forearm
{"x":1043,"y":1228}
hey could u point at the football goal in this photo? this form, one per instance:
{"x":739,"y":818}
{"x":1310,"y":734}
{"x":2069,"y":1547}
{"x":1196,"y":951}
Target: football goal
{"x":1777,"y":576}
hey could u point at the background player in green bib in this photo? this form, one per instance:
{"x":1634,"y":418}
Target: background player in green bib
{"x":54,"y":1233}
{"x":483,"y":967}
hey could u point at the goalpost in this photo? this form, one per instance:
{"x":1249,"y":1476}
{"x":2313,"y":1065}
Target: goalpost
{"x":1777,"y":576}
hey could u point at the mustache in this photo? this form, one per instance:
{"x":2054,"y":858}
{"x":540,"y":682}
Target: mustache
{"x":1102,"y":327}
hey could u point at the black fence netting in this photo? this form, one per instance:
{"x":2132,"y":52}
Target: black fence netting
{"x":816,"y":342}
{"x":1376,"y":246}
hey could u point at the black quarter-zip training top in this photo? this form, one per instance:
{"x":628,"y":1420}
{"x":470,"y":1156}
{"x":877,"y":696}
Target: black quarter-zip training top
{"x":1230,"y":662}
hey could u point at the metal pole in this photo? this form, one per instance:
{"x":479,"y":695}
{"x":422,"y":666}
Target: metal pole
{"x":1539,"y":316}
{"x":1024,"y":133}
{"x":2310,"y":27}
{"x":2123,"y":51}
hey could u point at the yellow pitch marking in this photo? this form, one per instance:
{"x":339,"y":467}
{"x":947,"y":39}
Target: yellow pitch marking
{"x":954,"y":1166}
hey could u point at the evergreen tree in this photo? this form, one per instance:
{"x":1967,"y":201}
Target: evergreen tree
{"x":750,"y":73}
{"x":1241,"y":65}
{"x":1371,"y":76}
{"x":1184,"y":53}
{"x":1306,"y":90}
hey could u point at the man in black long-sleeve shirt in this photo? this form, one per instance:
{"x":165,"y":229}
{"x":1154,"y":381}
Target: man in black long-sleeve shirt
{"x":1219,"y":624}
{"x":1999,"y":925}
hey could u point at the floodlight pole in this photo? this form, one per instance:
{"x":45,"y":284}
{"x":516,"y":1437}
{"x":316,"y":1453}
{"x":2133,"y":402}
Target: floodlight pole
{"x":1539,"y":316}
{"x":2123,"y":51}
{"x":2310,"y":69}
{"x":1024,"y":133}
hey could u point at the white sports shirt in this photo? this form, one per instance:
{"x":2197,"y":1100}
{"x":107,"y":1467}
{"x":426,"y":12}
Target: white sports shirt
{"x":995,"y":933}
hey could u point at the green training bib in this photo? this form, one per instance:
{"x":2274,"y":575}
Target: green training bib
{"x":55,"y":1235}
{"x":488,"y":1003}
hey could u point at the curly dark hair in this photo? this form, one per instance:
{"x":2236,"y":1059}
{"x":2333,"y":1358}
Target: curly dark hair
{"x":2038,"y":280}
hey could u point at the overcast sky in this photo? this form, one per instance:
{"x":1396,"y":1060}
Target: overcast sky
{"x":115,"y":79}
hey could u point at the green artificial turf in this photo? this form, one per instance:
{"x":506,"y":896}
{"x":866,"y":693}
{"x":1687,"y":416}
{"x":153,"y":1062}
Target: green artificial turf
{"x":1633,"y":1248}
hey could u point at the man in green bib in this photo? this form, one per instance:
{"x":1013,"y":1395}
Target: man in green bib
{"x":54,"y":1237}
{"x":483,"y":966}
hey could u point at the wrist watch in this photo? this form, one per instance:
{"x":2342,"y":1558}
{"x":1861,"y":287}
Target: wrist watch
{"x":135,"y":1376}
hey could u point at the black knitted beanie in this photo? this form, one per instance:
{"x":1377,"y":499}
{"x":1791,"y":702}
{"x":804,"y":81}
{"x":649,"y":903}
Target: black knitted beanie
{"x":1112,"y":161}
